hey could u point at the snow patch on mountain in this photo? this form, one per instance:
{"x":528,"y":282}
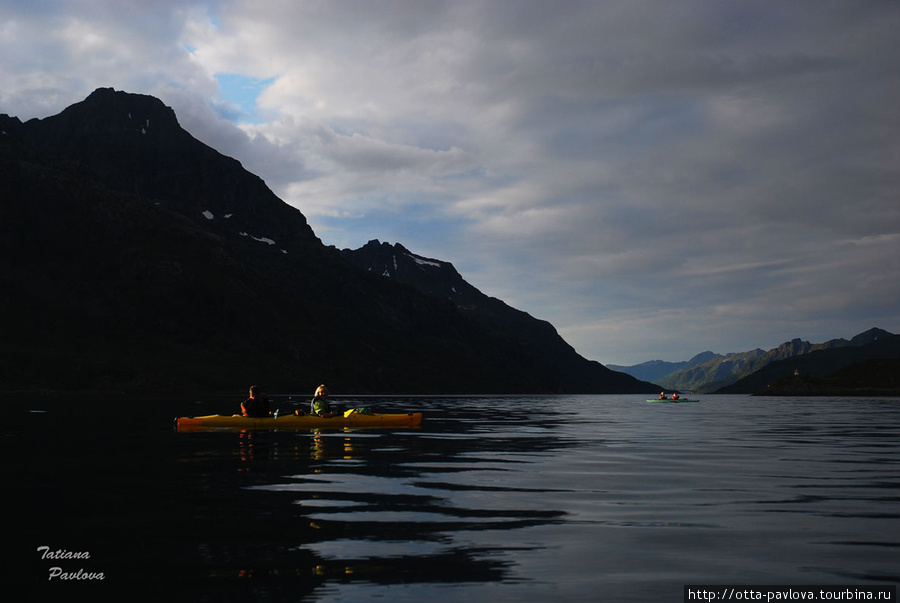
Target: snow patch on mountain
{"x":421,"y":261}
{"x":260,"y":239}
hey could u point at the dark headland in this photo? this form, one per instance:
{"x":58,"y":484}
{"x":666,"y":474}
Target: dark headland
{"x":134,"y":258}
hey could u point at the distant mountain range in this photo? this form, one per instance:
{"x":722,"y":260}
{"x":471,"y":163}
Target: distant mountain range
{"x":656,"y":370}
{"x":843,"y":365}
{"x":135,"y":258}
{"x":753,"y":371}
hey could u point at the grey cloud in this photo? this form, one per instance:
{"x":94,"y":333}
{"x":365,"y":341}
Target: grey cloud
{"x":655,"y":178}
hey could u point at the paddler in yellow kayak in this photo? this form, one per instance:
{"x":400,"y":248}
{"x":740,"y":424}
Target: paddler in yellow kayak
{"x":257,"y":405}
{"x":319,"y":405}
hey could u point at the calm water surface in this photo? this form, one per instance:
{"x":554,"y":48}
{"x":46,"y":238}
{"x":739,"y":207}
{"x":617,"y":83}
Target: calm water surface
{"x":570,"y":498}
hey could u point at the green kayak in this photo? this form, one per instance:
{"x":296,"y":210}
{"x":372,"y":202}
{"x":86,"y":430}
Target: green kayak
{"x":670,"y":401}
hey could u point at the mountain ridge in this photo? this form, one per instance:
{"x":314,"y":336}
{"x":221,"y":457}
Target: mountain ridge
{"x":720,"y":372}
{"x":135,"y":144}
{"x":822,"y":364}
{"x":653,"y":370}
{"x":139,"y":259}
{"x":440,"y":279}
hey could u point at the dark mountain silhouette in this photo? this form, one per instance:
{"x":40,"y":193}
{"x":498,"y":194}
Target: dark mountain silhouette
{"x":821,"y":364}
{"x":875,"y":377}
{"x":864,"y":338}
{"x":135,"y":258}
{"x":440,"y":279}
{"x":134,"y":144}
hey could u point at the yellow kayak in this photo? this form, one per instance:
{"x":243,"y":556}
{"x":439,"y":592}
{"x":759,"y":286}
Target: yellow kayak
{"x":349,"y":419}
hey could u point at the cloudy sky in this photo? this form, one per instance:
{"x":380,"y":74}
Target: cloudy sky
{"x":654,"y":177}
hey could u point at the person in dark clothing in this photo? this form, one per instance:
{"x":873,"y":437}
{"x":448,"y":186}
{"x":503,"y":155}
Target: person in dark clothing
{"x":257,"y":405}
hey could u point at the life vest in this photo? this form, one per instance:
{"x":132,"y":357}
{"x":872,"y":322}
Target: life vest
{"x":255,"y":407}
{"x":319,"y":405}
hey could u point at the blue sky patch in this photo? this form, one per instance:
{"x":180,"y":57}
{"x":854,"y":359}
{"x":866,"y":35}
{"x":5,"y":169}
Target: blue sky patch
{"x":242,"y":92}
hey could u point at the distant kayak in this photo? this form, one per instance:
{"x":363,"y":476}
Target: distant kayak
{"x":355,"y":419}
{"x":670,"y":401}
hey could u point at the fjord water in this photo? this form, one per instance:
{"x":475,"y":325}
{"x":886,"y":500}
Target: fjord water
{"x":564,"y":498}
